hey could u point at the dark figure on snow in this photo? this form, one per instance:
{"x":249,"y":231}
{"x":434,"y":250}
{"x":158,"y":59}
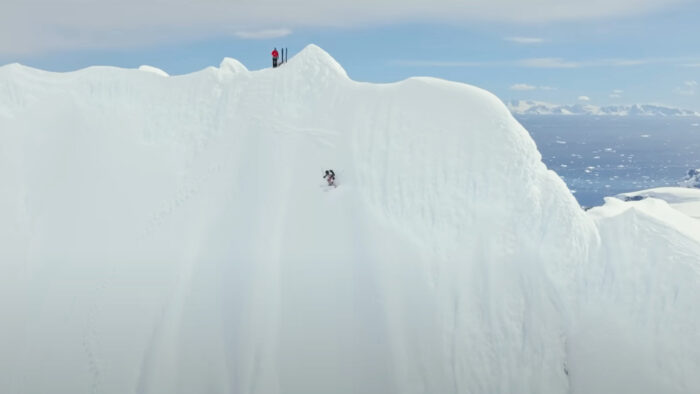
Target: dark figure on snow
{"x":330,"y":177}
{"x":275,"y":56}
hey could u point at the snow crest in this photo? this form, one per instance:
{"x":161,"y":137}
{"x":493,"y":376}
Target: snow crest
{"x":173,"y":235}
{"x":153,"y":70}
{"x":232,"y":66}
{"x":314,"y":62}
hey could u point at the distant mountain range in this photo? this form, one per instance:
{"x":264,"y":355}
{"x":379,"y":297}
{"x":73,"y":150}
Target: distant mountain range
{"x":528,"y":107}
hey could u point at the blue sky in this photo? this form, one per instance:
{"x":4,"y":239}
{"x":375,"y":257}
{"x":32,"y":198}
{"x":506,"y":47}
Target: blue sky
{"x":559,"y":51}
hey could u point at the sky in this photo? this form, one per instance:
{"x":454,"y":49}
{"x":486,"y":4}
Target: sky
{"x":599,"y":52}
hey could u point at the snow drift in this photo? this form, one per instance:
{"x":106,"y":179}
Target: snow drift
{"x":686,"y":200}
{"x":172,"y":234}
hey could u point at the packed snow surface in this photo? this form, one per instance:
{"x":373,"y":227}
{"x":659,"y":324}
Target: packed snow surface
{"x":174,"y":235}
{"x":686,"y":200}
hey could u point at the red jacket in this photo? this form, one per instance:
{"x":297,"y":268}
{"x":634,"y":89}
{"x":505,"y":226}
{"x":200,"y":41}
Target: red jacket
{"x":275,"y":53}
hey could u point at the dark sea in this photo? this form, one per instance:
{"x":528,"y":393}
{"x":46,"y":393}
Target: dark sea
{"x":605,"y":156}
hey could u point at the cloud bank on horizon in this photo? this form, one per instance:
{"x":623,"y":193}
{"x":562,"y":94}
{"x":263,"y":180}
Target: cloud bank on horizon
{"x":31,"y":26}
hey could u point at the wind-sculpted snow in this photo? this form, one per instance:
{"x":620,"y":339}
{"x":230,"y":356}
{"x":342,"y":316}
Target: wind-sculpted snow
{"x":174,"y":235}
{"x":686,"y":200}
{"x":641,"y":312}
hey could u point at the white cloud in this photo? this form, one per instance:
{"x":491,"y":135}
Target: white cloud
{"x":627,"y":62}
{"x":262,"y":34}
{"x":523,"y":86}
{"x":437,"y":63}
{"x":542,"y":62}
{"x":548,"y":62}
{"x":555,"y":62}
{"x":684,"y":91}
{"x":688,"y":88}
{"x":584,"y":98}
{"x":616,"y":93}
{"x":525,"y":40}
{"x":36,"y":26}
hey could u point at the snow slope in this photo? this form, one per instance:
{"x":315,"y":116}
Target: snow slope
{"x":686,"y":200}
{"x":173,"y":235}
{"x":638,"y":326}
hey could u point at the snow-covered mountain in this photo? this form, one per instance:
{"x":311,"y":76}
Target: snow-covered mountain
{"x":172,"y":234}
{"x":528,"y":107}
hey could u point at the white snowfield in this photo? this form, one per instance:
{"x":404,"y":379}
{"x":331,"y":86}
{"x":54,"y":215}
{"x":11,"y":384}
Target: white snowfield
{"x":173,"y":234}
{"x":686,"y":200}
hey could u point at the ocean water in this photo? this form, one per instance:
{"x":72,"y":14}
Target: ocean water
{"x":604,"y":156}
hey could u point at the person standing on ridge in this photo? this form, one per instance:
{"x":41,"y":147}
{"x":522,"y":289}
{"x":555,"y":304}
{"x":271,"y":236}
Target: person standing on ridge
{"x":275,"y":56}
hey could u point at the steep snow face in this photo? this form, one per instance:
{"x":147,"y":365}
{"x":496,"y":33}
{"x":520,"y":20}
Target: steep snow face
{"x":174,"y":235}
{"x":641,"y":311}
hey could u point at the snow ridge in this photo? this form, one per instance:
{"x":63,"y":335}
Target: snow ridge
{"x":153,"y":70}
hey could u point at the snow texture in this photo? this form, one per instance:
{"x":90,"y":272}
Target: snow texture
{"x":682,"y":199}
{"x":174,"y":235}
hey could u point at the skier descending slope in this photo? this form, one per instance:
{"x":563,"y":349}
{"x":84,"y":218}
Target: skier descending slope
{"x":330,"y":178}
